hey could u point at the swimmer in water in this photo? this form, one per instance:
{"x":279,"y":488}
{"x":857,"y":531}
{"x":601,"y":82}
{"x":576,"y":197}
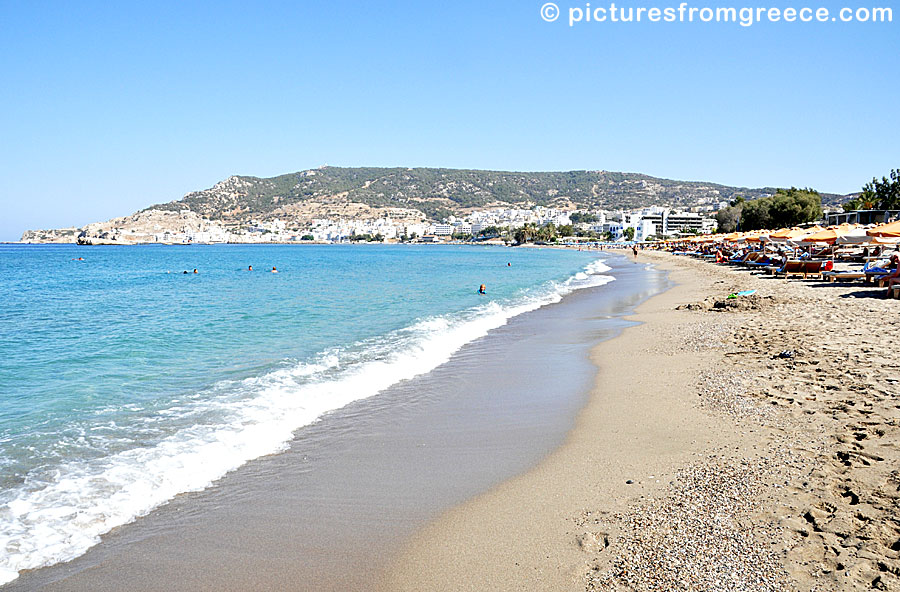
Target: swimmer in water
{"x":509,"y":264}
{"x":482,"y":289}
{"x":249,"y":268}
{"x":78,"y":259}
{"x":195,"y":271}
{"x":274,"y":270}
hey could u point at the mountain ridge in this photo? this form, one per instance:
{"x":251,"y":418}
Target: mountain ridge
{"x":413,"y":193}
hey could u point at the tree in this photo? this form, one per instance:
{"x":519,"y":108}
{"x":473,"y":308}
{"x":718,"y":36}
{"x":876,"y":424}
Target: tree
{"x":525,"y":233}
{"x":885,"y":193}
{"x":755,"y":214}
{"x":729,"y":217}
{"x":788,"y":207}
{"x":861,"y":202}
{"x":629,"y":233}
{"x":577,"y":218}
{"x":547,"y":232}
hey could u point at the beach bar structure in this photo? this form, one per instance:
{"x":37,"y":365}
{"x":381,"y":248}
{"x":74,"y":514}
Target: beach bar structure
{"x":862,"y":217}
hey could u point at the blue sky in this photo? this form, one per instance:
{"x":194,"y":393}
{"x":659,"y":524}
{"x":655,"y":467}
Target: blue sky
{"x":106,"y":108}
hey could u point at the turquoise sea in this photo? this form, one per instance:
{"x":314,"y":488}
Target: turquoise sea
{"x":124,"y":381}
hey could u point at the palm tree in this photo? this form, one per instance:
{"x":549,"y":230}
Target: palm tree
{"x":525,"y":233}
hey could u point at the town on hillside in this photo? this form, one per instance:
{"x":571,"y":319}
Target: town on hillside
{"x":496,"y":224}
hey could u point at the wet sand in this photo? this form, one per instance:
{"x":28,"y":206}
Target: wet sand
{"x":536,"y":531}
{"x":705,"y":459}
{"x":332,"y":511}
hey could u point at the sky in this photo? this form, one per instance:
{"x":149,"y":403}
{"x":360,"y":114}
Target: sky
{"x":107,"y":108}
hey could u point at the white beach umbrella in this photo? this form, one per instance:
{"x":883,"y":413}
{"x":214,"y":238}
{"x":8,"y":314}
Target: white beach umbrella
{"x":857,"y":236}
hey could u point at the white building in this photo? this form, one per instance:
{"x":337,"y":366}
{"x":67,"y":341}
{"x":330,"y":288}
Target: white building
{"x":416,"y":229}
{"x":615,"y":229}
{"x":460,"y":227}
{"x":644,"y":230}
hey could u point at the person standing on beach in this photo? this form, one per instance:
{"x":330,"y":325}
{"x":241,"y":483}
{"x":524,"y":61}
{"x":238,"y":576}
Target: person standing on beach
{"x":634,"y":250}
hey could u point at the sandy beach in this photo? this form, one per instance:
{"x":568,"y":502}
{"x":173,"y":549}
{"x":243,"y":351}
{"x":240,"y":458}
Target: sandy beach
{"x":331,"y":511}
{"x":705,"y":459}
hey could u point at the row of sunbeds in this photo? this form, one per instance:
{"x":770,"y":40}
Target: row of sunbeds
{"x":822,"y":269}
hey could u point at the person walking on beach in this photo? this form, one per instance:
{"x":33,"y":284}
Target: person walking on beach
{"x":634,"y":250}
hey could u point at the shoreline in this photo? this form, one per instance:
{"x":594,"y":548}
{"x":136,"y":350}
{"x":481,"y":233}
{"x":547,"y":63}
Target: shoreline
{"x":352,"y":487}
{"x":720,"y":468}
{"x":625,"y":444}
{"x":694,"y":458}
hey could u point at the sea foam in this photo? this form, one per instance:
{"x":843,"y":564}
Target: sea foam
{"x":63,"y":515}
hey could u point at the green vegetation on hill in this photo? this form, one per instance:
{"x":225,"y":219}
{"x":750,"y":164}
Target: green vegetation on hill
{"x":440,"y":192}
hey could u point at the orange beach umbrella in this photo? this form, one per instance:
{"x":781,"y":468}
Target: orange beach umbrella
{"x":756,"y":236}
{"x":830,"y":235}
{"x":793,"y":234}
{"x":891,"y":230}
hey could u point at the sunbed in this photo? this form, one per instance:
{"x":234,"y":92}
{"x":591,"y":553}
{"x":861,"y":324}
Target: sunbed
{"x":849,"y":275}
{"x":750,"y":258}
{"x":790,"y":267}
{"x":762,"y":261}
{"x":875,"y":275}
{"x":843,"y":276}
{"x":738,"y":259}
{"x":803,"y":268}
{"x":815,"y":268}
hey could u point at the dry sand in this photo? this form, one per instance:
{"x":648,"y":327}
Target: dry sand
{"x":703,"y":460}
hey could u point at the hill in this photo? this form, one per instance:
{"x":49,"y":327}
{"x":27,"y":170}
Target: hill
{"x":407,"y":195}
{"x":440,"y":192}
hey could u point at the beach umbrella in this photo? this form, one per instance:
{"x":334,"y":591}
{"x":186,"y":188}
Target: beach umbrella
{"x":886,"y":234}
{"x":891,"y":230}
{"x":828,"y":236}
{"x":856,"y":236}
{"x":771,"y":235}
{"x":757,"y":236}
{"x":793,"y":235}
{"x":784,"y":234}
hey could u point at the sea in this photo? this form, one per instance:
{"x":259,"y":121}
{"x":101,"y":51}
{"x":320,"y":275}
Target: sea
{"x":125,"y":381}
